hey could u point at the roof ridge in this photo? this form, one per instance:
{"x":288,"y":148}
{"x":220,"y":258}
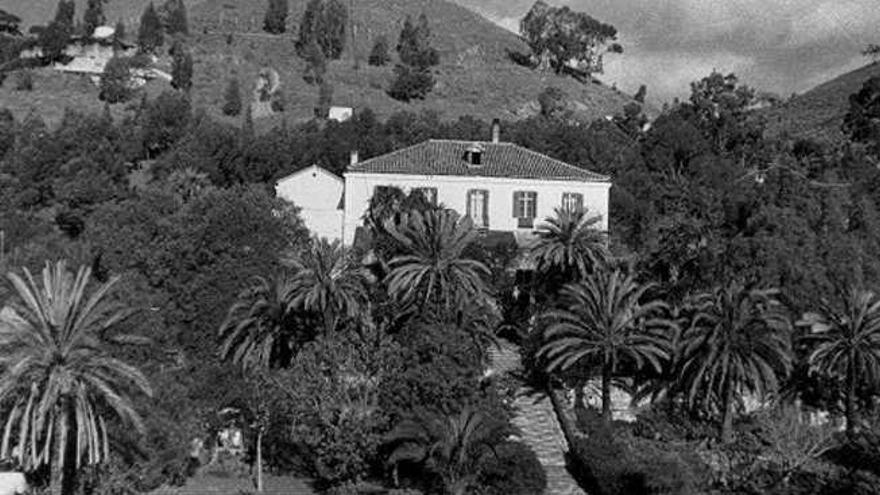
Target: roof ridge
{"x":567,"y":165}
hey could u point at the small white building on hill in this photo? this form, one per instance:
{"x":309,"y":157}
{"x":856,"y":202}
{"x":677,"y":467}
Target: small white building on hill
{"x":318,"y":192}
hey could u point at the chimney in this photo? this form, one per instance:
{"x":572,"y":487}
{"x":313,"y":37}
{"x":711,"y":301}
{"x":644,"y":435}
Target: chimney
{"x":354,"y":157}
{"x":496,"y":131}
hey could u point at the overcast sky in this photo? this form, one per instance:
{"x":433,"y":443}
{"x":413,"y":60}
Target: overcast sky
{"x":781,"y":46}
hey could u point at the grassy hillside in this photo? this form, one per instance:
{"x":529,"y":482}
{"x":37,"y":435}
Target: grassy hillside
{"x":476,"y":75}
{"x":818,"y":113}
{"x":35,"y":12}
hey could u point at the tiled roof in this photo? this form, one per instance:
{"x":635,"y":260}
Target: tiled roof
{"x":501,"y":160}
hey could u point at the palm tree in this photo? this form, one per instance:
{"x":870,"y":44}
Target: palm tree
{"x":570,"y":244}
{"x":738,"y":341}
{"x":61,"y":384}
{"x":259,"y":329}
{"x":453,"y":448}
{"x":605,"y":323}
{"x":848,"y":344}
{"x":328,"y":282}
{"x":432,"y":270}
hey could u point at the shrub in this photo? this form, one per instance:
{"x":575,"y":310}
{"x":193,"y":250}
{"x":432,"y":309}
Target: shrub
{"x":232,"y":104}
{"x":25,"y":81}
{"x":115,"y":81}
{"x":514,"y":471}
{"x":411,"y":83}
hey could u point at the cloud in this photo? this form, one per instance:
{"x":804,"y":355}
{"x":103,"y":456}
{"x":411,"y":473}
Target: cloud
{"x":775,"y":45}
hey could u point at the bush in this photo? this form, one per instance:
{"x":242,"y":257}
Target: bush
{"x":379,"y":54}
{"x":411,"y":83}
{"x":25,"y":81}
{"x":608,"y":462}
{"x":115,"y":81}
{"x":514,"y":471}
{"x":232,"y":104}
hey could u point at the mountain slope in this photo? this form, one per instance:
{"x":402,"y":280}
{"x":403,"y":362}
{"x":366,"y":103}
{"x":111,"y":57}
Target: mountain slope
{"x":476,"y":75}
{"x":818,"y":113}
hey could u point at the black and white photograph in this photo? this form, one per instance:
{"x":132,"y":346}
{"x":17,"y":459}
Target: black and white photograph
{"x":439,"y":247}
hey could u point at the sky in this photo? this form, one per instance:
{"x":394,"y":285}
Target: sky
{"x":778,"y":46}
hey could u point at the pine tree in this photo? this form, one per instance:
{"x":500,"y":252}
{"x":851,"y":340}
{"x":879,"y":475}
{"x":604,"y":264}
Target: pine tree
{"x":182,"y":67}
{"x":316,"y":64}
{"x":176,"y":21}
{"x":55,"y":38}
{"x":232,"y":98}
{"x":275,"y":21}
{"x":150,"y":36}
{"x":413,"y":75}
{"x":93,"y":17}
{"x":379,"y":54}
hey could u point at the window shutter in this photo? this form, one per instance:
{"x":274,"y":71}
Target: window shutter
{"x":486,"y":209}
{"x":579,"y":201}
{"x":517,"y":204}
{"x":534,"y":212}
{"x":468,"y":200}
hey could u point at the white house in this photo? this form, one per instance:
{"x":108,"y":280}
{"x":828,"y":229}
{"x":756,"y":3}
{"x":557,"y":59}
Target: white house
{"x":501,"y":186}
{"x":319,"y":193}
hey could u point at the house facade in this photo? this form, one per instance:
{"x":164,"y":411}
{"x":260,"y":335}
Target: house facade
{"x":318,"y":193}
{"x":500,"y":186}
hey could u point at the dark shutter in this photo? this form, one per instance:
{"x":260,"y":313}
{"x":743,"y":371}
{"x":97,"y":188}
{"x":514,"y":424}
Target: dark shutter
{"x":579,"y":201}
{"x":467,"y":207}
{"x":517,"y":204}
{"x":486,"y":209}
{"x":534,"y":212}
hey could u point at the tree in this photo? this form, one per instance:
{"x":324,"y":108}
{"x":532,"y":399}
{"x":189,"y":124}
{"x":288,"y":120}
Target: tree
{"x":328,"y":282}
{"x":119,"y":32}
{"x":846,"y":337}
{"x":174,"y":17}
{"x":721,"y":105}
{"x":873,"y":51}
{"x":316,"y":65}
{"x":61,"y":382}
{"x":606,"y":324}
{"x":430,"y":270}
{"x":150,"y":36}
{"x":115,"y":84}
{"x":559,"y":37}
{"x":260,"y":330}
{"x":737,"y":342}
{"x":570,"y":245}
{"x":552,"y":102}
{"x":9,"y":23}
{"x":275,"y":21}
{"x":413,"y":78}
{"x":181,"y":67}
{"x":93,"y":17}
{"x":325,"y":100}
{"x":54,"y":39}
{"x":862,"y":122}
{"x":323,"y":24}
{"x":453,"y":448}
{"x":414,"y":45}
{"x":232,"y":98}
{"x":379,"y":54}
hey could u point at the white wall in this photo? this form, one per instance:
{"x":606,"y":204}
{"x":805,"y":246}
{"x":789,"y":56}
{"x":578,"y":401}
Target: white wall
{"x":318,"y":193}
{"x":452,"y":193}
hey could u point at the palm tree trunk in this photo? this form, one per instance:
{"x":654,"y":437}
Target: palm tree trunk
{"x":565,"y":423}
{"x":727,"y":414}
{"x":606,"y":393}
{"x":260,"y":461}
{"x":851,"y":414}
{"x":56,"y":472}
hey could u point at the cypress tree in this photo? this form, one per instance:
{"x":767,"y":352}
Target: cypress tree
{"x":93,"y":17}
{"x":316,"y":64}
{"x":308,"y":26}
{"x":232,"y":98}
{"x":379,"y":54}
{"x":176,"y":21}
{"x":182,"y":67}
{"x":150,"y":36}
{"x":323,"y":23}
{"x":413,"y":76}
{"x":275,"y":21}
{"x":54,"y":39}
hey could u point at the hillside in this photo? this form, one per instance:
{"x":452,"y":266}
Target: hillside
{"x":476,"y":76}
{"x":818,"y":113}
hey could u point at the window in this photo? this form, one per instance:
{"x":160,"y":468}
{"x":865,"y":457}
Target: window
{"x":429,"y":193}
{"x":525,"y":208}
{"x":572,"y":201}
{"x":478,"y":207}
